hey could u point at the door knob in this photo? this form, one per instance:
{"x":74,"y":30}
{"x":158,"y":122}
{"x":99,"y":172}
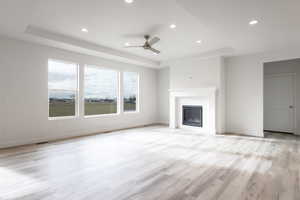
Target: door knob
{"x":291,"y":107}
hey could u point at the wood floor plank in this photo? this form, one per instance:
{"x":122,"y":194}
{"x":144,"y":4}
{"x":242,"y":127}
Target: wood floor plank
{"x":154,"y":163}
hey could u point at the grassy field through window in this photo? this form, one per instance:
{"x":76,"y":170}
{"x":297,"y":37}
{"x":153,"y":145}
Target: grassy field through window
{"x":61,"y":109}
{"x":130,"y":106}
{"x":100,"y":108}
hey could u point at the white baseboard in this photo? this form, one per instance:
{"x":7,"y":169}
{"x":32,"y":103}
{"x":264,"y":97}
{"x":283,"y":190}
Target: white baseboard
{"x":253,"y":133}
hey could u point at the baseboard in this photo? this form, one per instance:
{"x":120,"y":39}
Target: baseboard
{"x":40,"y":141}
{"x":279,"y":132}
{"x":162,"y":124}
{"x":240,"y":134}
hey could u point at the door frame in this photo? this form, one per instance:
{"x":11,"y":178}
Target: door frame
{"x":293,"y":75}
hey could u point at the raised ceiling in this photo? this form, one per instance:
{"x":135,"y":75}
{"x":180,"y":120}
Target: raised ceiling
{"x":220,"y":24}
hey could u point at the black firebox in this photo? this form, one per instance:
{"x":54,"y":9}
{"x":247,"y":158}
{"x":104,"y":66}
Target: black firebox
{"x":192,"y":116}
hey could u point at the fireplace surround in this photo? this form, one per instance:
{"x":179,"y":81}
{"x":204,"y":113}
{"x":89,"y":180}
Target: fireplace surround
{"x":205,"y":97}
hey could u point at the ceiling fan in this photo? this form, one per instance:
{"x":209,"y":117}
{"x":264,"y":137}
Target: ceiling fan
{"x":148,"y":44}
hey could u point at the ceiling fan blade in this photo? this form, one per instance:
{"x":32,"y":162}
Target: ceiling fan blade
{"x":153,"y":41}
{"x":134,"y":46}
{"x":154,"y":50}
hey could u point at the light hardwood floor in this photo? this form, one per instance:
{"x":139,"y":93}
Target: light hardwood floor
{"x":154,"y":163}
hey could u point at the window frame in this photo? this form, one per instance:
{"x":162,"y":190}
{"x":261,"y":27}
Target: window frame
{"x":118,"y":92}
{"x":77,"y":89}
{"x":137,"y":110}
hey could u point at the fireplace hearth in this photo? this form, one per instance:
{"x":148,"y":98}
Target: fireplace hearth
{"x":192,"y":116}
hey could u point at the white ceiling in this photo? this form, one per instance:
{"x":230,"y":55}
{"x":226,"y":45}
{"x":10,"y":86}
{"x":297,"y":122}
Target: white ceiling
{"x":220,"y":24}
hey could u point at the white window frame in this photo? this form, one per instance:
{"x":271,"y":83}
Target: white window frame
{"x":76,"y":91}
{"x":118,"y":93}
{"x":137,"y":95}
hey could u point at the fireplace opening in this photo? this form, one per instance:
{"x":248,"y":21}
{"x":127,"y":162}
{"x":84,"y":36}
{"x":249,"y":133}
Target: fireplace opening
{"x":192,"y":116}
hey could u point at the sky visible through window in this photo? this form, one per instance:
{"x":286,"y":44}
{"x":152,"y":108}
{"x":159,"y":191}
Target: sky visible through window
{"x":62,"y":79}
{"x":130,"y":84}
{"x":99,"y":83}
{"x":62,"y":76}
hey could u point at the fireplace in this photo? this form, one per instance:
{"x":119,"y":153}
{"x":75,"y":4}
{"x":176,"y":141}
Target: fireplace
{"x":200,"y":97}
{"x":192,"y":116}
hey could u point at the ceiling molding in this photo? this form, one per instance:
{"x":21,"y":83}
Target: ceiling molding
{"x":226,"y":51}
{"x":91,"y":48}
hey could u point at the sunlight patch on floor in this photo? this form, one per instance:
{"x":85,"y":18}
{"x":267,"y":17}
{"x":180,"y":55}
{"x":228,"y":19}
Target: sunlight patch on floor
{"x":15,"y":185}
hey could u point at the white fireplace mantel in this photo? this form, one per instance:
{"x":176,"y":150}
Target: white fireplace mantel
{"x":208,"y":93}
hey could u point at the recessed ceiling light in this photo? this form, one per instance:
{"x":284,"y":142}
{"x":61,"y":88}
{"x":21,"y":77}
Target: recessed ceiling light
{"x":84,"y":30}
{"x":199,"y":41}
{"x":129,"y":1}
{"x":172,"y":26}
{"x":127,"y":44}
{"x":253,"y":22}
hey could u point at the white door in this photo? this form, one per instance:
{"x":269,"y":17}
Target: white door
{"x":279,"y":113}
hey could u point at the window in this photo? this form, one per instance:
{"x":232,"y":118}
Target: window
{"x":130,"y":91}
{"x":101,"y":91}
{"x":62,"y":88}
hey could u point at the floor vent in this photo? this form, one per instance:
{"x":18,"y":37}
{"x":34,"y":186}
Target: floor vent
{"x":40,"y":143}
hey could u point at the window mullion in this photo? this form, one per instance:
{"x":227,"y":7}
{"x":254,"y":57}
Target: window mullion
{"x":121,"y":94}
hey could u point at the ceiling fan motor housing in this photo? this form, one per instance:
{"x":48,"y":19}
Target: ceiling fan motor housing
{"x":147,"y":37}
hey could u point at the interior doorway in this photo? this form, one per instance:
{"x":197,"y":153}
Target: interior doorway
{"x":280,"y":96}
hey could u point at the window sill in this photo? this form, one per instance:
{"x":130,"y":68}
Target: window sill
{"x":102,"y":115}
{"x":61,"y":118}
{"x":131,"y":112}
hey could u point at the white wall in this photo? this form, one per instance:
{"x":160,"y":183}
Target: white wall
{"x":198,"y":73}
{"x":163,"y":95}
{"x":288,"y":66}
{"x":194,"y":73}
{"x":244,"y":90}
{"x":244,"y":100}
{"x":24,"y":96}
